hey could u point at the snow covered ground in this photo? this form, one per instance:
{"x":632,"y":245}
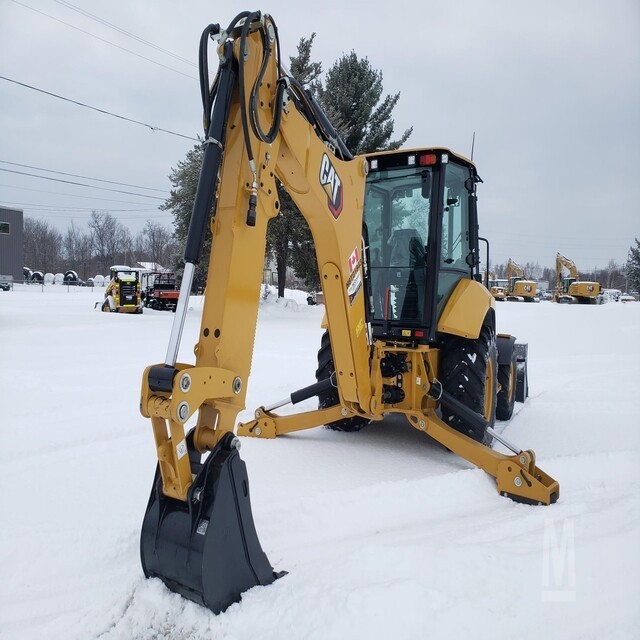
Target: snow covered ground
{"x":384,"y":533}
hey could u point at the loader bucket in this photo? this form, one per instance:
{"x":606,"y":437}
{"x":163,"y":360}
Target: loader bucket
{"x":206,"y":549}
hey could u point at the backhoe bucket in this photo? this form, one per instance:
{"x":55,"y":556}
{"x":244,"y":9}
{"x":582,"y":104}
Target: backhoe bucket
{"x":206,"y":549}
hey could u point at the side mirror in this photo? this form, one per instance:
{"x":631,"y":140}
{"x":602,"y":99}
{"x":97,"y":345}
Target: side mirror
{"x":426,"y":184}
{"x":470,"y":185}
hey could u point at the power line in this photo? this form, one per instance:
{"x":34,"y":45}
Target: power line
{"x":47,"y":207}
{"x":75,"y":175}
{"x":109,"y":113}
{"x":117,"y":46}
{"x":106,"y":23}
{"x":75,"y":216}
{"x":71,"y":195}
{"x":81,"y":184}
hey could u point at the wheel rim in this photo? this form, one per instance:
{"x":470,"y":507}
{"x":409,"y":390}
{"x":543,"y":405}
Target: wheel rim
{"x":489,"y":390}
{"x":512,"y":382}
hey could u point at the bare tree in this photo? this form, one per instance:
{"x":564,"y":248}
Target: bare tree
{"x":84,"y":255}
{"x":500,"y":270}
{"x":108,"y":237}
{"x":139,"y":248}
{"x":611,"y":274}
{"x":42,"y":246}
{"x":533,"y":270}
{"x":549,"y":275}
{"x":123,"y":247}
{"x":158,"y":238}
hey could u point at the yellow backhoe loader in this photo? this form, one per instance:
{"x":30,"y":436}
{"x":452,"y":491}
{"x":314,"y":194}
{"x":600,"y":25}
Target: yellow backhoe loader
{"x":410,"y":329}
{"x":495,"y":288}
{"x":570,"y":289}
{"x":519,"y":289}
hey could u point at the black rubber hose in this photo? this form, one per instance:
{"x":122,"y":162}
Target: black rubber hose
{"x":207,"y":90}
{"x":205,"y":192}
{"x":207,"y":93}
{"x":320,"y":121}
{"x":243,"y":103}
{"x":253,"y":100}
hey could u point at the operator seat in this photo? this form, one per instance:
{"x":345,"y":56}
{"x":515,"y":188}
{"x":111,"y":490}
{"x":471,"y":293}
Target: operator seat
{"x":406,"y":248}
{"x":407,"y":252}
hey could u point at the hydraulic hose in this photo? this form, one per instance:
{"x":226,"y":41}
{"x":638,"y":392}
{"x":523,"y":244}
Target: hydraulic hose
{"x":310,"y":108}
{"x":243,"y":102}
{"x":208,"y":90}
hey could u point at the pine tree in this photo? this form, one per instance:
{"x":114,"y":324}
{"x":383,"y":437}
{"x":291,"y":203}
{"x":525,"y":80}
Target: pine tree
{"x":352,"y":99}
{"x":184,"y":178}
{"x":288,"y":232}
{"x":633,"y":267}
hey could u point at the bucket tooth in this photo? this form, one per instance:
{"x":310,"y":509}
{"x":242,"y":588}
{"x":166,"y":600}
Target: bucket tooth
{"x":206,"y":549}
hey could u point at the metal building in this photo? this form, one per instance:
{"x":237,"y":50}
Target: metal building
{"x":11,"y":243}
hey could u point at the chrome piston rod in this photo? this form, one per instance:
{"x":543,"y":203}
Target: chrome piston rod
{"x":503,"y":441}
{"x":180,"y":315}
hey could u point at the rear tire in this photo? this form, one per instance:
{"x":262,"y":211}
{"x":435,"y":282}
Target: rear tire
{"x":330,"y":398}
{"x":507,"y":394}
{"x":468,"y":372}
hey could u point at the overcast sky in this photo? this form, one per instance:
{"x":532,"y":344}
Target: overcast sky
{"x":551,"y":88}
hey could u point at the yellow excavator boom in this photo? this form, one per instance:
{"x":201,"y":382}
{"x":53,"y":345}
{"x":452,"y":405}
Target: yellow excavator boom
{"x":570,"y":289}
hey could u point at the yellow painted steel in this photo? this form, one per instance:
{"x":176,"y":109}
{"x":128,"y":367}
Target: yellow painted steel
{"x":515,"y":475}
{"x":571,"y":287}
{"x":113,"y":290}
{"x":466,"y":309}
{"x":517,"y":286}
{"x":269,"y":425}
{"x":496,"y":291}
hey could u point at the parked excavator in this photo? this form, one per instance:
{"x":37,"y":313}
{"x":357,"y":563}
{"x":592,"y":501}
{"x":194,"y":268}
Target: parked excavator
{"x":410,"y":329}
{"x":519,"y":289}
{"x":570,"y":289}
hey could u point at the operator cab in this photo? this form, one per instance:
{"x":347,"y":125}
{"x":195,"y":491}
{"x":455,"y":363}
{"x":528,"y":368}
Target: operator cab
{"x":419,"y":209}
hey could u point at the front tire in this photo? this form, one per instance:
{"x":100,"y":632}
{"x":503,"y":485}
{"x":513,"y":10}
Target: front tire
{"x":469,"y":373}
{"x":330,"y":398}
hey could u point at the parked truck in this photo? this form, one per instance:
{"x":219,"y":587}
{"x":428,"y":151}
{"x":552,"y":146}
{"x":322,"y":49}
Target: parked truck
{"x":159,"y":290}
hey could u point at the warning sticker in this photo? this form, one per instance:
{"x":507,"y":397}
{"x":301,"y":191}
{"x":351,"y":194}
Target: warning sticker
{"x":181,"y":449}
{"x":354,"y":284}
{"x":359,"y":327}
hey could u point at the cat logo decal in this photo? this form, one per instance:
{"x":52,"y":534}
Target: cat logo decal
{"x":331,"y":183}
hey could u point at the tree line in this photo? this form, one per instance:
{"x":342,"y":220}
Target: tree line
{"x":88,"y":252}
